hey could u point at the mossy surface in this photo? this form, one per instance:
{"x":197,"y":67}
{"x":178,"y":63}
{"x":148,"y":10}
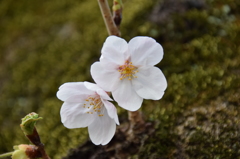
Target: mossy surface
{"x":45,"y":44}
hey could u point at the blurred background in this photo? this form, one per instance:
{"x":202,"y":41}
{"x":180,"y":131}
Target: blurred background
{"x":44,"y":44}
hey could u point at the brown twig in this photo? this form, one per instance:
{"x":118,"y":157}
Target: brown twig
{"x":35,"y":139}
{"x":137,"y":123}
{"x":107,"y":16}
{"x":43,"y":152}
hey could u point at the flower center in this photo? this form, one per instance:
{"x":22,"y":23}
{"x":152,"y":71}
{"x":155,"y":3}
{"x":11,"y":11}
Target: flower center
{"x":94,"y":105}
{"x":128,"y":70}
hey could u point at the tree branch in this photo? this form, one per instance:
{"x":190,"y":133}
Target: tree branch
{"x":107,"y":16}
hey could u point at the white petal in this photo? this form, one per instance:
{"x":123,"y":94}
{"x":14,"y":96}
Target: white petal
{"x":73,"y":85}
{"x":111,"y":110}
{"x":73,"y":92}
{"x":104,"y":95}
{"x":73,"y":115}
{"x":145,"y":51}
{"x":70,"y":95}
{"x":91,"y":86}
{"x":109,"y":65}
{"x":126,"y":97}
{"x":98,"y":90}
{"x":114,"y":49}
{"x":102,"y":130}
{"x":150,"y":83}
{"x":107,"y":80}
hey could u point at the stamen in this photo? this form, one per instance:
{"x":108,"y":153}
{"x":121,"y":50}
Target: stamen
{"x":94,"y":105}
{"x":128,"y":70}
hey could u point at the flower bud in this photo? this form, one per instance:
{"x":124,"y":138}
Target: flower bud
{"x":117,"y":11}
{"x":28,"y":123}
{"x":26,"y":152}
{"x":28,"y":127}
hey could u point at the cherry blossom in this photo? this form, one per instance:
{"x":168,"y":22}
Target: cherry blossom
{"x":127,"y":70}
{"x":87,"y":105}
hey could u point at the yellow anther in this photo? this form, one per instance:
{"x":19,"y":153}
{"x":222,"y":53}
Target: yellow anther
{"x":94,"y":104}
{"x":127,"y":71}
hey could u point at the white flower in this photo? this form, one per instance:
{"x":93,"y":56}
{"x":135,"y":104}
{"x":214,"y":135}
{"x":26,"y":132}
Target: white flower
{"x":127,"y":70}
{"x":87,"y":105}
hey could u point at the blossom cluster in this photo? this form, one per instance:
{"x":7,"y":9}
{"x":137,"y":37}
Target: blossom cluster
{"x":128,"y":72}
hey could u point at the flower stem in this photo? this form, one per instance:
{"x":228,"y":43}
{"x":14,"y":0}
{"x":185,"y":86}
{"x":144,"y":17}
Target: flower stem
{"x":136,"y":122}
{"x":6,"y":154}
{"x":35,"y":139}
{"x":107,"y":16}
{"x":43,"y":152}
